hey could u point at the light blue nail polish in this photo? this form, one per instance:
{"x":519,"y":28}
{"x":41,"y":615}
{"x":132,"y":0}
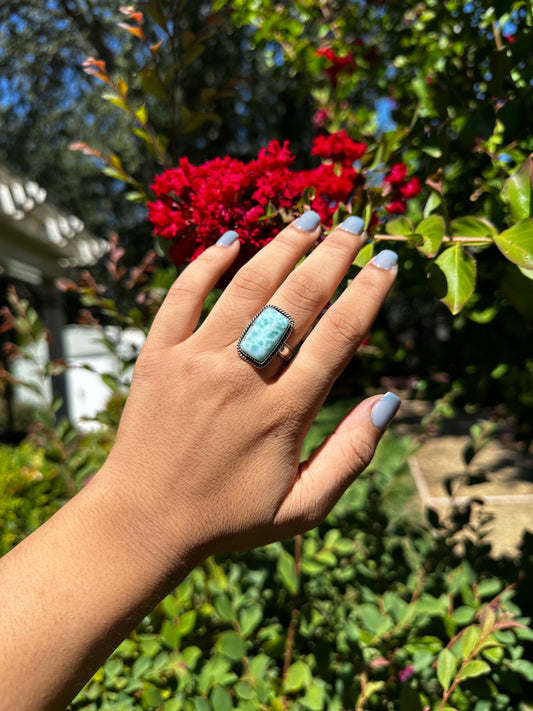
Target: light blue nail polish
{"x":227,"y":238}
{"x":308,"y":222}
{"x":384,"y":410}
{"x":353,"y":224}
{"x":387,"y":259}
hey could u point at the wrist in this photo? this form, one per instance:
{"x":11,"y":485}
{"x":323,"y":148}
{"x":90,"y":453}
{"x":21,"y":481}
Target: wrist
{"x":161,"y":548}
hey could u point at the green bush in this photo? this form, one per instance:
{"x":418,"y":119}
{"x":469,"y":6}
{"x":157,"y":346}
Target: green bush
{"x":31,"y":490}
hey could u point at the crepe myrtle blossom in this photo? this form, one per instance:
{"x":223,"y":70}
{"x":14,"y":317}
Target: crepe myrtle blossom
{"x":195,"y":204}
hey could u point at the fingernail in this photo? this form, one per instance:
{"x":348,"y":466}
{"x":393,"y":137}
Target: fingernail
{"x":386,"y":259}
{"x":227,"y":238}
{"x":353,"y":224}
{"x":384,"y":410}
{"x":308,"y":222}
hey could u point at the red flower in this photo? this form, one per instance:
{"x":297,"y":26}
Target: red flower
{"x":397,"y":174}
{"x":396,"y":207}
{"x":411,"y":188}
{"x":338,"y":147}
{"x":337,"y":63}
{"x":195,"y":204}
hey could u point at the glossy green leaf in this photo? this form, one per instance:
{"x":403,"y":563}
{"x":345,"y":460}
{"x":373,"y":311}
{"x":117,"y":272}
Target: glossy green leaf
{"x":477,"y":667}
{"x":432,"y":230}
{"x":453,"y":276}
{"x":399,"y":226}
{"x":446,"y":668}
{"x":468,"y":641}
{"x":472,"y":227}
{"x":364,"y":256}
{"x":516,"y":244}
{"x":518,"y":189}
{"x":298,"y":677}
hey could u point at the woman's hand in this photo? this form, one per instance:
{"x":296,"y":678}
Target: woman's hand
{"x":209,"y":445}
{"x":207,"y":457}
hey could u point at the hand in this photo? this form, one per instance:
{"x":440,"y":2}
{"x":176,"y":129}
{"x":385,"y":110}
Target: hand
{"x":209,"y":446}
{"x":207,"y":457}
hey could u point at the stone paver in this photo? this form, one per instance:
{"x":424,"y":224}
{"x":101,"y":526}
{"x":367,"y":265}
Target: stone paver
{"x":503,"y":477}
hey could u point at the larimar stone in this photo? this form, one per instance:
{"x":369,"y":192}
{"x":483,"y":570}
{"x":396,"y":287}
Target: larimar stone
{"x":265,"y":335}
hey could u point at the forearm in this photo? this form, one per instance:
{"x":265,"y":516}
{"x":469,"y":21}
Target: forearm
{"x":69,"y":594}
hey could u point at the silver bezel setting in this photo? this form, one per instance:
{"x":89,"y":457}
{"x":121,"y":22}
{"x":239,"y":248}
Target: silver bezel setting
{"x":279,"y":345}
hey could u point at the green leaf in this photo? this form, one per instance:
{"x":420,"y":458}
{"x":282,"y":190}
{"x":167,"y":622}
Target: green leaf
{"x":463,"y":615}
{"x":472,"y":227}
{"x":250,"y":618}
{"x":432,"y":231}
{"x":475,"y":668}
{"x":523,"y":667}
{"x":220,"y":699}
{"x":364,"y":256}
{"x":446,"y":668}
{"x":231,"y":645}
{"x":489,"y":587}
{"x":433,"y":202}
{"x":287,"y":572}
{"x":110,"y":380}
{"x":186,"y":623}
{"x":517,"y":191}
{"x":468,"y":641}
{"x":314,"y":698}
{"x":298,"y":677}
{"x":452,"y":277}
{"x":399,"y":226}
{"x":516,"y":244}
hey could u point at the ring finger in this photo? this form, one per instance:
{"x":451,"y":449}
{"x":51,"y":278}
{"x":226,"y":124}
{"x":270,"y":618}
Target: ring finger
{"x":307,"y":290}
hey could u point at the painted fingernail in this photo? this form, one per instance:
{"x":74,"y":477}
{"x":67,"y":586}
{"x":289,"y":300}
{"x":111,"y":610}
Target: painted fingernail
{"x":384,"y":410}
{"x":227,"y":238}
{"x":308,"y":222}
{"x":386,"y":259}
{"x":353,"y":224}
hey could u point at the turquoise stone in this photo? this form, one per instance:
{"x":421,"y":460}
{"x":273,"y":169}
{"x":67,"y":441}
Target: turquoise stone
{"x":264,"y":335}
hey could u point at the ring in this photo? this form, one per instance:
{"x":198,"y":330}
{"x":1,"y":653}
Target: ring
{"x":286,"y":352}
{"x":264,"y":337}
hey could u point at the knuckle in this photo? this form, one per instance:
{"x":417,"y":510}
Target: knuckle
{"x":344,"y":327}
{"x":368,"y":284}
{"x":358,"y":455}
{"x":251,"y":282}
{"x":182,"y":291}
{"x":304,"y":291}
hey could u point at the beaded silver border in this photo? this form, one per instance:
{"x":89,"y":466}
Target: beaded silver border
{"x":279,"y":345}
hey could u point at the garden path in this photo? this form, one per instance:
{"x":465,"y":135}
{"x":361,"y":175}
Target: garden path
{"x":501,"y":474}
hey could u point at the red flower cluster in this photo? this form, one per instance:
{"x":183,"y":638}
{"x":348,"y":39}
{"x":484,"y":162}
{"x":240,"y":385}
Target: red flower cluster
{"x":196,"y":204}
{"x":336,"y":64}
{"x":402,"y":189}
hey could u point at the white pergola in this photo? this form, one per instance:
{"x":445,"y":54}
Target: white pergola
{"x":38,"y":243}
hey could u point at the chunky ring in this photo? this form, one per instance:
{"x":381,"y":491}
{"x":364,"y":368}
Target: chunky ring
{"x":264,"y":337}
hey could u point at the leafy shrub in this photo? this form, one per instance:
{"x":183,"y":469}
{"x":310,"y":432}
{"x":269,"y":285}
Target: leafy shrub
{"x":30,"y":492}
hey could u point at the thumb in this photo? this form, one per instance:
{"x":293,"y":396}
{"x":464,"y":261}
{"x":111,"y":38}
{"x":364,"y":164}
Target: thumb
{"x":336,"y":464}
